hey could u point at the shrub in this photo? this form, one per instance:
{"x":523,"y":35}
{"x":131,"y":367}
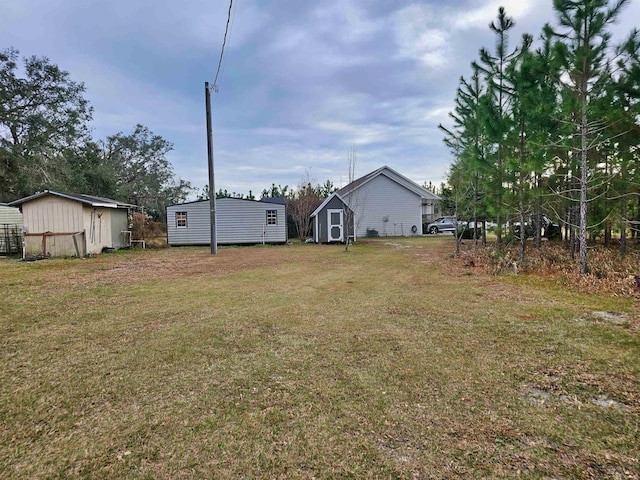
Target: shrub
{"x":610,"y":272}
{"x":144,"y":228}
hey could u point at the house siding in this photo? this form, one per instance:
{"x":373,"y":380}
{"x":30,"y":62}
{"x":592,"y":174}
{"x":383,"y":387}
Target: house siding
{"x":97,"y":228}
{"x":10,"y":229}
{"x":115,"y":223}
{"x":119,"y":224}
{"x":383,"y":198}
{"x":238,"y":221}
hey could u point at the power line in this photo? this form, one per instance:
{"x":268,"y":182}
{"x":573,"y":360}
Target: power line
{"x":224,"y":42}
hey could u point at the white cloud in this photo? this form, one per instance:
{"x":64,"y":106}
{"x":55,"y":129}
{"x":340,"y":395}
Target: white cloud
{"x":359,"y":134}
{"x":486,"y":11}
{"x":419,"y":37}
{"x":306,"y":51}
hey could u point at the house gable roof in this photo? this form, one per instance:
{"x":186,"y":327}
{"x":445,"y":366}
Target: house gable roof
{"x":391,"y":175}
{"x":90,"y":200}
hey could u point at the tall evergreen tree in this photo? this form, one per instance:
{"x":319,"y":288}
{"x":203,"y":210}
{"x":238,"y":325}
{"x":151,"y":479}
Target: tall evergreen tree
{"x":585,"y":50}
{"x":534,"y":110}
{"x":546,"y":127}
{"x":519,"y":165}
{"x":466,"y":140}
{"x":498,"y":121}
{"x":623,"y":100}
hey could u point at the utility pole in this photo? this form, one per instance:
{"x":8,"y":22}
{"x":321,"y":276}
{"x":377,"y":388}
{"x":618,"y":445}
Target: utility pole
{"x":212,"y":188}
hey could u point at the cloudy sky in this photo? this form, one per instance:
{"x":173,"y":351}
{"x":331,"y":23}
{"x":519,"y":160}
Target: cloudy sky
{"x":302,"y":81}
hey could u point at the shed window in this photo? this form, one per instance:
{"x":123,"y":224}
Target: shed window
{"x":272,"y":217}
{"x":181,"y":219}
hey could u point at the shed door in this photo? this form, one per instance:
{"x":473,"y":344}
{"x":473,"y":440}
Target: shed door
{"x":119,"y":224}
{"x":336,"y":227}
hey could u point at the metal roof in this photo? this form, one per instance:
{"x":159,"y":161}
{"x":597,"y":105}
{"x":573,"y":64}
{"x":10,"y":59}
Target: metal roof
{"x":276,"y":200}
{"x":90,"y":200}
{"x":273,"y":200}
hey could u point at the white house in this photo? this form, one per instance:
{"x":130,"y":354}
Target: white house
{"x":386,"y":203}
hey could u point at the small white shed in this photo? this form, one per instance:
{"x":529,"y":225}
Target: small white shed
{"x":65,"y":224}
{"x":238,"y":221}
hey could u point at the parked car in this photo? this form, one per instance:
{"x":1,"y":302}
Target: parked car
{"x":486,"y":224}
{"x":550,"y":230}
{"x":442,"y":224}
{"x":466,"y":231}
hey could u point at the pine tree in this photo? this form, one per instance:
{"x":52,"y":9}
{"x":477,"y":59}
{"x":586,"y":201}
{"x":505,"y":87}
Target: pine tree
{"x":586,"y":52}
{"x":466,"y":140}
{"x":623,"y":102}
{"x":497,"y":115}
{"x":534,"y":105}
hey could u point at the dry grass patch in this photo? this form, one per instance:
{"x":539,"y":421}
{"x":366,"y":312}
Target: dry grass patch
{"x":610,"y":272}
{"x":387,"y":361}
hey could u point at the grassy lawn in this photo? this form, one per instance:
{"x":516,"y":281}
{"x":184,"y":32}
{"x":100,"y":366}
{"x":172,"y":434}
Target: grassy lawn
{"x":391,"y":360}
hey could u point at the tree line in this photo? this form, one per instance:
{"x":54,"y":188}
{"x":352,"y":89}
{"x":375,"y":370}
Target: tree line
{"x":46,"y":143}
{"x":552,"y":129}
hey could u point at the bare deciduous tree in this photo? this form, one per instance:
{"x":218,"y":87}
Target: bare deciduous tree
{"x":352,"y":204}
{"x":301,"y":203}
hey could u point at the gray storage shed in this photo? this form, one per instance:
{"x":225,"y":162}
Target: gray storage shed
{"x":333,"y":221}
{"x":238,"y":221}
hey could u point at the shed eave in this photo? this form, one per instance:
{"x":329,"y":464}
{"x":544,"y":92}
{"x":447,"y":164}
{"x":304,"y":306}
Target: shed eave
{"x":105,"y":205}
{"x":325,"y":202}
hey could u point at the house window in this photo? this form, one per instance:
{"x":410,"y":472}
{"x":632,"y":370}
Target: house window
{"x":272,"y":217}
{"x":181,"y":219}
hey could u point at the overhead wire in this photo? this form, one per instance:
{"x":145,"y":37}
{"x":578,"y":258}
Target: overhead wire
{"x":224,"y":62}
{"x":224,"y":42}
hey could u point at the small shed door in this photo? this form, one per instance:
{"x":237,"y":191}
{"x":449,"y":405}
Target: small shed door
{"x":335,"y":223}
